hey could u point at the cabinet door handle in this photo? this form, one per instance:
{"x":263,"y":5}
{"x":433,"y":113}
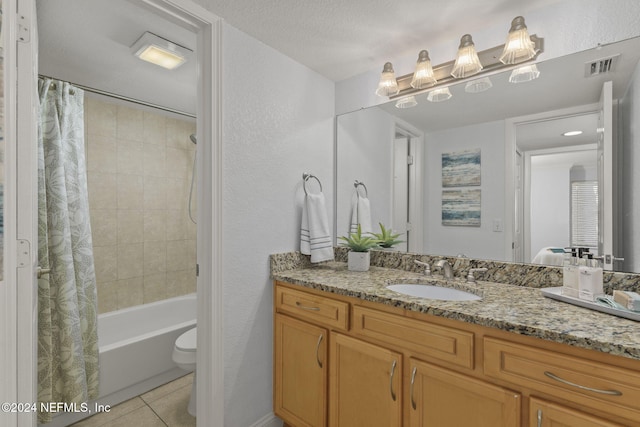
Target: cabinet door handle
{"x":539,"y":417}
{"x":413,"y":379}
{"x":320,"y":338}
{"x":393,"y":371}
{"x":581,"y":387}
{"x":304,"y":307}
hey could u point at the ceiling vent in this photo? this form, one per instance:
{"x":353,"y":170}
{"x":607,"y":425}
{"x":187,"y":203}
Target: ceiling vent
{"x":600,"y":66}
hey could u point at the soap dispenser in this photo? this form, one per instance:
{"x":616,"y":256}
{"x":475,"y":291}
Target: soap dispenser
{"x":570,"y":276}
{"x":590,"y":280}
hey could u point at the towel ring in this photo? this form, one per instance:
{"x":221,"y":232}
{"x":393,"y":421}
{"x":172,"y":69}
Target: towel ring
{"x":357,"y":184}
{"x":306,"y":177}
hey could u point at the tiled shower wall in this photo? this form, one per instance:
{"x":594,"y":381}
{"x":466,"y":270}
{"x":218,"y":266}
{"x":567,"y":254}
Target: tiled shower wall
{"x":139,"y":167}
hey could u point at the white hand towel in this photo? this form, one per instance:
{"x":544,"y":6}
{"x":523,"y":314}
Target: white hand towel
{"x":361,"y":214}
{"x":315,"y":236}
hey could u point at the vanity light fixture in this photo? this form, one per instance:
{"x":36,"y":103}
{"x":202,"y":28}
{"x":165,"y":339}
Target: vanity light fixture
{"x":519,"y":46}
{"x":478,"y":85}
{"x":406,"y":102}
{"x":572,"y":133}
{"x":159,"y":51}
{"x":523,"y":74}
{"x":439,"y":95}
{"x":388,"y":85}
{"x":423,"y":76}
{"x":467,"y":61}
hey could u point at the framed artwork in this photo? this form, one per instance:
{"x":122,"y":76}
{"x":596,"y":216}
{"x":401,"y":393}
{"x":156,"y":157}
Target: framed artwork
{"x":461,"y":207}
{"x":461,"y":169}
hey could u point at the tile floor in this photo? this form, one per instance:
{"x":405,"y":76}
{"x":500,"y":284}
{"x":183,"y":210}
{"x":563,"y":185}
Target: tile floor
{"x":165,"y":406}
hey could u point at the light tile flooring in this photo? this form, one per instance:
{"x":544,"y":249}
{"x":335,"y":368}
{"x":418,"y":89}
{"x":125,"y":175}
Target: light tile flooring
{"x":165,"y":406}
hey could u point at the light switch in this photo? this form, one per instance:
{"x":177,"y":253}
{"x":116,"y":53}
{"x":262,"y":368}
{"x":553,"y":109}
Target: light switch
{"x":497,"y":225}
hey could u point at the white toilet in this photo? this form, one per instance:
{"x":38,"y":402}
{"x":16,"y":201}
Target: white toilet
{"x":184,"y":355}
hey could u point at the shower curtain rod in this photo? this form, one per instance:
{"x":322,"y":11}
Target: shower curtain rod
{"x":123,"y":98}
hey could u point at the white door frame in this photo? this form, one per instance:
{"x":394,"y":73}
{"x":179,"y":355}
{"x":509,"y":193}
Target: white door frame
{"x":510,"y":164}
{"x":18,"y":293}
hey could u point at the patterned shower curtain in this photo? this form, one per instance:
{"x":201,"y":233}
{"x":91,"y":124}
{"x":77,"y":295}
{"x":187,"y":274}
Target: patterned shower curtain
{"x":67,"y":302}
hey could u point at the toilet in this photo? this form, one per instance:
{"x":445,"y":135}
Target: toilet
{"x":184,"y":355}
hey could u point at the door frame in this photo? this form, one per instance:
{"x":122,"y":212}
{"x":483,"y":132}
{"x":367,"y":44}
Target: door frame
{"x":510,"y":145}
{"x":18,"y":295}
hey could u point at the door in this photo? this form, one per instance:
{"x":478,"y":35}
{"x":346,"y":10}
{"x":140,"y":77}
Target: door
{"x":518,"y":220}
{"x":300,"y":374}
{"x":19,"y":290}
{"x":442,"y":398}
{"x":365,"y":387}
{"x":605,"y":177}
{"x":400,"y":215}
{"x":545,"y":414}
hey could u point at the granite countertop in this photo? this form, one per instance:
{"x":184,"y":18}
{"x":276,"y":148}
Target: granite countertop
{"x":517,"y":309}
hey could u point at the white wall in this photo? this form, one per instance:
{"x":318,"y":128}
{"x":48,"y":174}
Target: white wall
{"x":630,"y":117}
{"x":278,"y":123}
{"x":365,"y":153}
{"x":569,"y":26}
{"x":475,"y":242}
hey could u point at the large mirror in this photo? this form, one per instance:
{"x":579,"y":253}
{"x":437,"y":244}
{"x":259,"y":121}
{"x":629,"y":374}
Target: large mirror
{"x":535,"y":191}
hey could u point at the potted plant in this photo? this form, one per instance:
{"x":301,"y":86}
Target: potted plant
{"x":386,"y":237}
{"x":359,"y":245}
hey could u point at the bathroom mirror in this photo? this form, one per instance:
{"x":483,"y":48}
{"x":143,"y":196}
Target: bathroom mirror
{"x":516,"y":131}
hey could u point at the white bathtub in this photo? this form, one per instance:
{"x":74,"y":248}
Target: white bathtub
{"x":136,"y":344}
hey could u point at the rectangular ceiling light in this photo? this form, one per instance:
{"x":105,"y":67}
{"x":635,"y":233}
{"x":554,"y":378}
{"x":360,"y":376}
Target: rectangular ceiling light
{"x":159,"y":51}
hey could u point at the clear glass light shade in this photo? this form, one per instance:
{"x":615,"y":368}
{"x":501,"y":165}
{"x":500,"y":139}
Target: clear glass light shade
{"x":467,"y":62}
{"x":439,"y":95}
{"x":519,"y":46}
{"x":524,"y":74}
{"x":478,"y":85}
{"x":423,"y":75}
{"x":407,"y":102}
{"x":388,"y":85}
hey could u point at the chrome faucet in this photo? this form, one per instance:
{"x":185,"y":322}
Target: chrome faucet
{"x":427,"y":270}
{"x":444,"y":265}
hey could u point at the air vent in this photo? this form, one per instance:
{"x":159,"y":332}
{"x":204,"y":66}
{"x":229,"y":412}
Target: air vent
{"x":600,"y":66}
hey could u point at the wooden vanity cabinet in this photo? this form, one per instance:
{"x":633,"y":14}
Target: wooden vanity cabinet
{"x":546,"y":414}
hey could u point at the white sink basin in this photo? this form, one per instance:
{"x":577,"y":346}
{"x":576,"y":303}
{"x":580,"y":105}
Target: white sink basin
{"x":433,"y":292}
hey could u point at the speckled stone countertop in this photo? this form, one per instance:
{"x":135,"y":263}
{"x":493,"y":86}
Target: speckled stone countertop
{"x":518,"y":309}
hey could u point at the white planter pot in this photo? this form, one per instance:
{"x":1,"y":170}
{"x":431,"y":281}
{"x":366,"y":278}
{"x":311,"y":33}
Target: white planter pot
{"x":358,"y":261}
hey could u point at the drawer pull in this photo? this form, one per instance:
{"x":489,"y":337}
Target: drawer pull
{"x":393,"y":371}
{"x":304,"y":307}
{"x":413,"y":379}
{"x":539,"y":417}
{"x":581,"y":387}
{"x":320,"y":338}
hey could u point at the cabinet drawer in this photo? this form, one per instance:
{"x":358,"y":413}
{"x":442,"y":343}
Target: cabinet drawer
{"x":597,"y":385}
{"x":303,"y":305}
{"x":438,"y":342}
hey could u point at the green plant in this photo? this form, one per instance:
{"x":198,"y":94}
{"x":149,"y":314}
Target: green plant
{"x":359,"y":243}
{"x":386,"y":237}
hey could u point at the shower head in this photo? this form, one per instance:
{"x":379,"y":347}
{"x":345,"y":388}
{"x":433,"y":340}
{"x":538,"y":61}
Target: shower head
{"x":193,"y":139}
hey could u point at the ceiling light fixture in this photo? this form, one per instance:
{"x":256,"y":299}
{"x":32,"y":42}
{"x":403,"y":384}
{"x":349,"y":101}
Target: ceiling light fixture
{"x":572,"y":133}
{"x":468,"y":63}
{"x":159,"y":51}
{"x":388,"y":85}
{"x":423,"y":76}
{"x":518,"y":47}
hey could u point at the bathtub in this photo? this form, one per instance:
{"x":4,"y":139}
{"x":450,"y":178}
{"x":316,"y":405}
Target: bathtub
{"x":135,"y":345}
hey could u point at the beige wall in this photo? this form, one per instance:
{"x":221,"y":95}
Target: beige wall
{"x":139,"y":170}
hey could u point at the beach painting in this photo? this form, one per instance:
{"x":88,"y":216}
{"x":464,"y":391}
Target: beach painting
{"x":461,"y":169}
{"x":461,"y":207}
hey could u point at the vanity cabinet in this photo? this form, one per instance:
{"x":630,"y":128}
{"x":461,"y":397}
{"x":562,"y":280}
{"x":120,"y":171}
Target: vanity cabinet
{"x":443,"y":398}
{"x":346,"y":362}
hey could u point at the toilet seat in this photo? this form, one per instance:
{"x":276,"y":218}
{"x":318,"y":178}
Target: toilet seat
{"x":188,"y":340}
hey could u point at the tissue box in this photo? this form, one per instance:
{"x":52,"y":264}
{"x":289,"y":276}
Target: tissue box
{"x":627,"y":299}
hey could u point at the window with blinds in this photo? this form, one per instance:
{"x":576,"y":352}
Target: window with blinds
{"x":584,"y":214}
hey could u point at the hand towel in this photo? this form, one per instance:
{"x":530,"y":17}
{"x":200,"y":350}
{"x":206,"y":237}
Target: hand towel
{"x":315,"y":236}
{"x":361,"y":214}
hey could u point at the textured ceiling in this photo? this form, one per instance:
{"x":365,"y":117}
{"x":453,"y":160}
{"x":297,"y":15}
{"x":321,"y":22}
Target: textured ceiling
{"x":343,"y":38}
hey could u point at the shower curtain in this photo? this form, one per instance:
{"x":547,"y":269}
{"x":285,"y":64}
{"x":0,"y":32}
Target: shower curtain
{"x":67,"y":301}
